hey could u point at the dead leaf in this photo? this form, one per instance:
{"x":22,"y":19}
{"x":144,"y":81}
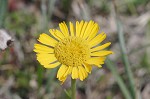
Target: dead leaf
{"x":5,"y":39}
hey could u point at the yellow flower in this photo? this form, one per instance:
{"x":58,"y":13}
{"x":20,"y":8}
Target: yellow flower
{"x":75,"y":51}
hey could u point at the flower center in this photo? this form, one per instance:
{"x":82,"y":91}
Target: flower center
{"x":72,"y":51}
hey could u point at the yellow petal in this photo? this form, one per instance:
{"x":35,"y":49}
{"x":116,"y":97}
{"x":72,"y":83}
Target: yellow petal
{"x":52,"y":65}
{"x":88,"y":29}
{"x":62,"y":78}
{"x":100,"y":47}
{"x":45,"y":59}
{"x":46,"y":39}
{"x":83,"y":71}
{"x":64,"y":29}
{"x":101,"y":53}
{"x":75,"y":72}
{"x":59,"y":34}
{"x":88,"y":68}
{"x":93,"y":32}
{"x":97,"y":40}
{"x":68,"y":71}
{"x":39,"y":48}
{"x":61,"y":71}
{"x":96,"y":61}
{"x":56,"y":35}
{"x":77,"y":29}
{"x":83,"y":29}
{"x":71,"y":29}
{"x":81,"y":75}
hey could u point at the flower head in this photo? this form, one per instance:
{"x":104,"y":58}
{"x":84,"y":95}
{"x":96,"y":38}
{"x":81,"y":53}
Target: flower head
{"x":75,"y":51}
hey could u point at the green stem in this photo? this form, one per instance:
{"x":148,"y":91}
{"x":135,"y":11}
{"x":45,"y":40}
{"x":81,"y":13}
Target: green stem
{"x":124,"y":52}
{"x":3,"y":11}
{"x":125,"y":58}
{"x":73,"y":88}
{"x":118,"y":78}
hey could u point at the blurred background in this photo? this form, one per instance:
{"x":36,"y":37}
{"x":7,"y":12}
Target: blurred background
{"x":124,"y":21}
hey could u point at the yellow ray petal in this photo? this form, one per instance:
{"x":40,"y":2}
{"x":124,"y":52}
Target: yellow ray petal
{"x":46,"y":39}
{"x":52,"y":65}
{"x":61,"y":71}
{"x":100,"y":47}
{"x":81,"y":75}
{"x":58,"y":36}
{"x":69,"y":70}
{"x":62,"y":79}
{"x":39,"y":48}
{"x":64,"y":29}
{"x":88,"y":68}
{"x":88,"y":29}
{"x":83,"y":29}
{"x":84,"y":73}
{"x":93,"y":32}
{"x":72,"y":31}
{"x":97,"y":40}
{"x":96,"y":61}
{"x":75,"y":72}
{"x":101,"y":53}
{"x":52,"y":32}
{"x":77,"y":29}
{"x":45,"y":59}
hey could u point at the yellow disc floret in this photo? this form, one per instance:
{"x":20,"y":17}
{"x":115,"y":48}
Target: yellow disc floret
{"x":72,"y":51}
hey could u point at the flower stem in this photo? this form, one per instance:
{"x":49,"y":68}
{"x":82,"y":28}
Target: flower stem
{"x":73,"y":88}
